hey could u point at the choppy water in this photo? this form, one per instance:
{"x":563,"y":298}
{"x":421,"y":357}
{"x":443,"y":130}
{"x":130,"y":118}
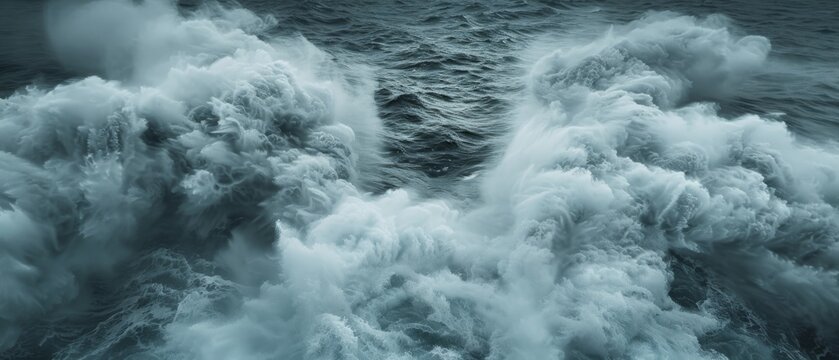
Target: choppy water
{"x":432,"y":180}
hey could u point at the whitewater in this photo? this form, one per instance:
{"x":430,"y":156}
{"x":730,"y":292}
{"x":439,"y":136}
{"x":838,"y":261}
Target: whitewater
{"x":212,"y":190}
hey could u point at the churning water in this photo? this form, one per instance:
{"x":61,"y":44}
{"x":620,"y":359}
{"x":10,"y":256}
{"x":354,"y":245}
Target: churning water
{"x":430,"y":179}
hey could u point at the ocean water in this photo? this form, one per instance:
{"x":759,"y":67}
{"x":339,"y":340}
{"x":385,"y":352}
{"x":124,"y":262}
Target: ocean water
{"x":419,"y":179}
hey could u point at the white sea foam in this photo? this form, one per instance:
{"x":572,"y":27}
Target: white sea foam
{"x":191,"y":130}
{"x":607,"y":174}
{"x":196,"y":134}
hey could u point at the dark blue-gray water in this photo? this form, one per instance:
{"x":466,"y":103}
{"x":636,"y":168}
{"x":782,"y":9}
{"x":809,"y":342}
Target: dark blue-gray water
{"x":419,"y":179}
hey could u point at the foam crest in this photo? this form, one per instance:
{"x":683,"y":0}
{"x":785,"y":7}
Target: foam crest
{"x":607,"y":159}
{"x":193,"y":133}
{"x":672,"y":59}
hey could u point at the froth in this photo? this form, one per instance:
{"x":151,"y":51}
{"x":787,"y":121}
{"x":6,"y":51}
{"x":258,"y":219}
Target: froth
{"x":225,"y":147}
{"x":192,"y":133}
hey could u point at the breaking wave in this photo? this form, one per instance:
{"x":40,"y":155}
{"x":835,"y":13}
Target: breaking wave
{"x":202,"y":195}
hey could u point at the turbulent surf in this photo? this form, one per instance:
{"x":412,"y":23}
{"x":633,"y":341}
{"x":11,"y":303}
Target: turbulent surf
{"x":209,"y":181}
